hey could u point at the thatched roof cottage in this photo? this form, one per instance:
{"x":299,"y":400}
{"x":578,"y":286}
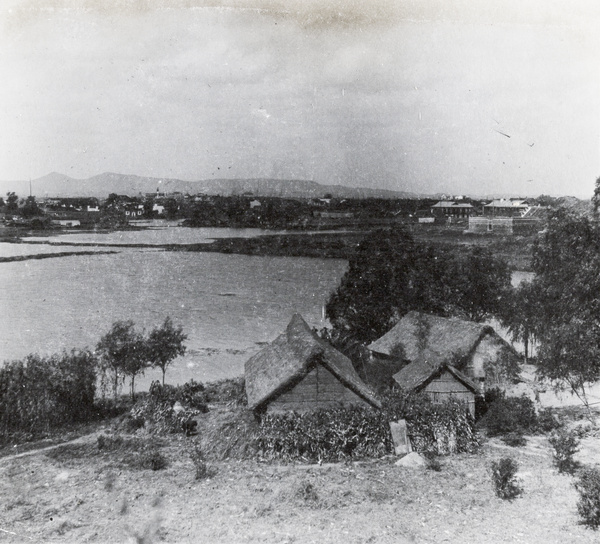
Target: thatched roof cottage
{"x":299,"y":371}
{"x":474,"y":349}
{"x":438,"y":379}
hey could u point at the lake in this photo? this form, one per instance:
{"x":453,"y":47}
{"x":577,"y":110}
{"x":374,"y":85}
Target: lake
{"x":227,"y":304}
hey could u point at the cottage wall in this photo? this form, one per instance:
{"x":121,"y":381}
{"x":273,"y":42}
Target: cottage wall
{"x":447,"y":387}
{"x":319,"y":389}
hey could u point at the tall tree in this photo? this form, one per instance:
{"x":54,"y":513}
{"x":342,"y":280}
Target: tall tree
{"x":391,"y":274}
{"x":566,"y":261}
{"x":520,"y":314}
{"x":479,"y":283}
{"x":165,"y":344}
{"x":123,"y":352}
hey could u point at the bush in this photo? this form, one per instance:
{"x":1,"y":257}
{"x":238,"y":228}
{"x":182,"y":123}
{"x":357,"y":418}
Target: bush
{"x":437,"y":428}
{"x":39,"y":393}
{"x":510,"y":414}
{"x":152,"y":459}
{"x":547,"y":421}
{"x":504,"y":478}
{"x":200,"y":466}
{"x":514,"y":440}
{"x":324,"y":435}
{"x":565,"y":444}
{"x":588,"y":486}
{"x":197,"y":395}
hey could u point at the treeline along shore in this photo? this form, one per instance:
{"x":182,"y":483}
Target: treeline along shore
{"x":516,"y":251}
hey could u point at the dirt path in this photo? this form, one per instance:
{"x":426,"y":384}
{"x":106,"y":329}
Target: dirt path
{"x":85,"y":439}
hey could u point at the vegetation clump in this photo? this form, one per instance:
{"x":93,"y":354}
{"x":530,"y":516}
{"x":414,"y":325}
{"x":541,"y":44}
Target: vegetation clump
{"x":506,"y":484}
{"x":434,"y":428}
{"x":514,"y":440}
{"x":510,"y":414}
{"x":201,"y":469}
{"x":588,"y":506}
{"x":39,"y":393}
{"x":566,"y":445}
{"x":324,"y":435}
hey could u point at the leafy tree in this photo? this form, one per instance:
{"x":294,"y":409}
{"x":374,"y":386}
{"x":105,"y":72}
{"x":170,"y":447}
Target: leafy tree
{"x":164,"y":344}
{"x":480,"y":284}
{"x":520,"y":314}
{"x":171,"y":207}
{"x":148,"y":206}
{"x":123,"y":352}
{"x":30,"y":208}
{"x":12,"y":203}
{"x":391,"y":275}
{"x":566,"y":262}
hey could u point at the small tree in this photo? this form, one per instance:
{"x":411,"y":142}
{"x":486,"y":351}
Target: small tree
{"x":164,"y":344}
{"x":123,"y":352}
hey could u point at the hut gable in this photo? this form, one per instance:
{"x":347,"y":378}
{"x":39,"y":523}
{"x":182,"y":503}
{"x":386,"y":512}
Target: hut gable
{"x":418,"y":375}
{"x":438,"y":379}
{"x":299,"y":370}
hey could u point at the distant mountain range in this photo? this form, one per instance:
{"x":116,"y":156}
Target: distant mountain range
{"x":60,"y":185}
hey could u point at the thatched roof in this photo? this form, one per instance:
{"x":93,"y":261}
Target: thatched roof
{"x":290,"y":357}
{"x":450,"y":339}
{"x":427,"y":367}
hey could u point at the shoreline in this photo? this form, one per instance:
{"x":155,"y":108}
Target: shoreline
{"x":330,"y":245}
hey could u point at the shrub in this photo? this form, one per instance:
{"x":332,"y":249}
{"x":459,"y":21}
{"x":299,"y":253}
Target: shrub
{"x":158,"y":413}
{"x":434,"y":464}
{"x":565,"y":444}
{"x":514,"y":439}
{"x":547,"y":421}
{"x":504,"y":478}
{"x":437,"y":428}
{"x":510,"y":414}
{"x":324,"y":435}
{"x":306,"y":491}
{"x":191,"y":394}
{"x":588,"y":486}
{"x":39,"y":393}
{"x":152,"y":459}
{"x":200,"y":466}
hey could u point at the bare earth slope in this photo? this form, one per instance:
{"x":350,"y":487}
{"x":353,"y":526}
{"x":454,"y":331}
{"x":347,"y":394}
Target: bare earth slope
{"x":72,"y":496}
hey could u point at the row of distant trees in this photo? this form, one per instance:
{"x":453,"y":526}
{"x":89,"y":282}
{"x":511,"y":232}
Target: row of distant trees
{"x":14,"y":206}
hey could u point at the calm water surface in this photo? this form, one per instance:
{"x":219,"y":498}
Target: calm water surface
{"x":157,"y":234}
{"x":227,"y":304}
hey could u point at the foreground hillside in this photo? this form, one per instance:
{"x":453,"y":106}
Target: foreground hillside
{"x":88,"y":492}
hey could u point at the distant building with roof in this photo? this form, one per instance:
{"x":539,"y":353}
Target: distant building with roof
{"x":506,"y":207}
{"x":450,"y":208}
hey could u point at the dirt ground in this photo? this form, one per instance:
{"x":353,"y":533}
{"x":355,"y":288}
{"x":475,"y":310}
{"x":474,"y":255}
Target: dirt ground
{"x":75,"y":494}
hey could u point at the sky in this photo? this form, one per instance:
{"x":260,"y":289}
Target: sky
{"x":430,"y":96}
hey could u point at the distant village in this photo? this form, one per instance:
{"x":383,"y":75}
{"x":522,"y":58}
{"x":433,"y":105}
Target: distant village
{"x":506,"y":216}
